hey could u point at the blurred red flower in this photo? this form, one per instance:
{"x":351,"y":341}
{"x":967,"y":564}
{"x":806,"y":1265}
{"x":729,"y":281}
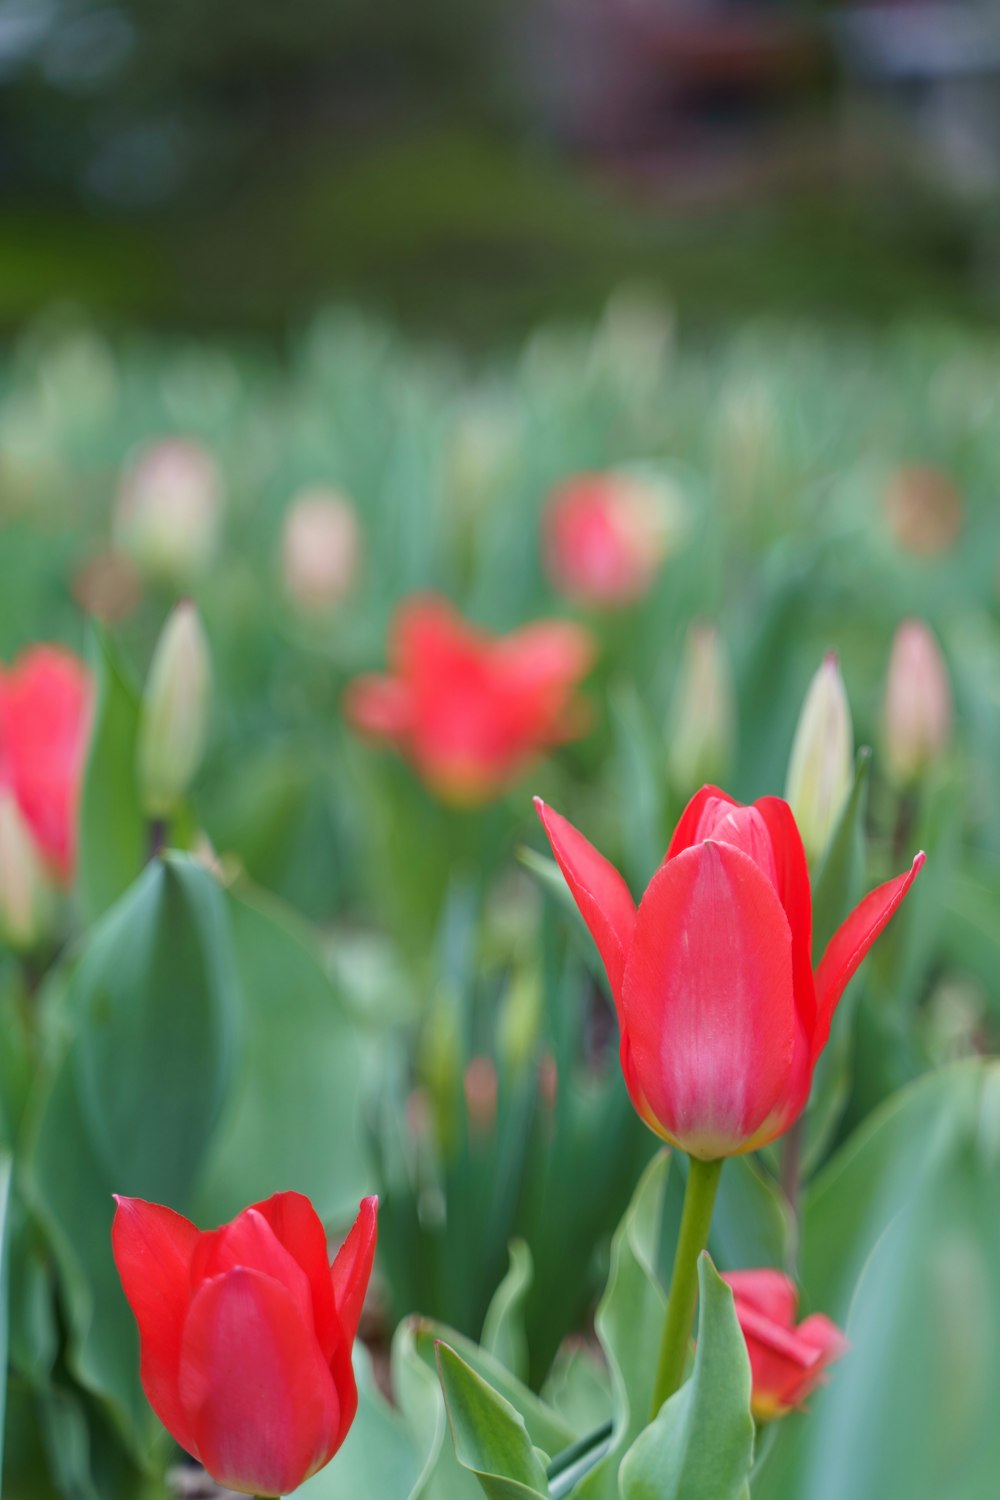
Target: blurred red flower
{"x":605,"y":537}
{"x":45,"y":706}
{"x":246,"y":1334}
{"x":468,"y":709}
{"x":787,"y":1362}
{"x":722,"y":1019}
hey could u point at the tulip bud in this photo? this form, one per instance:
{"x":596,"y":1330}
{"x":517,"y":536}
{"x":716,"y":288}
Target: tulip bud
{"x":320,"y":550}
{"x":704,"y":712}
{"x":169,"y":509}
{"x":917,"y":703}
{"x":25,"y":890}
{"x":923,"y":509}
{"x":174,"y":712}
{"x":819,"y":770}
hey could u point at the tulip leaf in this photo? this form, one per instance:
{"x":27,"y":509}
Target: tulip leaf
{"x":156,"y":1006}
{"x":420,"y":1399}
{"x":490,"y":1437}
{"x":5,"y":1175}
{"x":299,"y":1063}
{"x":112,"y":827}
{"x":629,"y":1323}
{"x":503,"y":1329}
{"x":641,"y":766}
{"x":700,"y":1447}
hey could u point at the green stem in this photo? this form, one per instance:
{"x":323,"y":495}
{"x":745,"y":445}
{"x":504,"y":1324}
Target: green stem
{"x":696,"y":1220}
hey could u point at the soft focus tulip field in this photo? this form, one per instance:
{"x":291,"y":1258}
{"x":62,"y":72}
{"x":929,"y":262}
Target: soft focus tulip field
{"x":639,"y":1144}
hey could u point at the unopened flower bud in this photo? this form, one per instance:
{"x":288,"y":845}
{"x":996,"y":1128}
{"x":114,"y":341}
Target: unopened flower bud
{"x":170,"y":508}
{"x":819,"y":770}
{"x":917,"y":703}
{"x":703,"y":717}
{"x":320,"y":550}
{"x":26,"y":895}
{"x":174,"y":712}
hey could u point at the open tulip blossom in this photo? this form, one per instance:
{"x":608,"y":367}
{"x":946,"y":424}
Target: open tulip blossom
{"x":722,"y":1017}
{"x":246,"y":1334}
{"x":468,"y":709}
{"x":45,"y":705}
{"x":787,"y":1361}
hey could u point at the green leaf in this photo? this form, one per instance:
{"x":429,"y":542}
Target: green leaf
{"x":155,"y":1004}
{"x":299,"y":1063}
{"x":836,"y":884}
{"x":5,"y":1175}
{"x":700,"y":1447}
{"x":490,"y":1437}
{"x":640,"y":764}
{"x":112,"y":827}
{"x":629,"y":1323}
{"x":504,"y":1334}
{"x":421,"y":1402}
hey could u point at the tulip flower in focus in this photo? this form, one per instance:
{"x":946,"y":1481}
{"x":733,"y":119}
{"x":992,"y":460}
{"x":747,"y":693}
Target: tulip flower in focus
{"x":175,"y":708}
{"x":45,"y":710}
{"x":787,"y":1361}
{"x":471,"y":710}
{"x":169,"y":509}
{"x":917,"y":710}
{"x":702,"y":729}
{"x":246,"y":1334}
{"x":722,"y":1018}
{"x":320,"y":550}
{"x":819,"y":770}
{"x":606,"y":536}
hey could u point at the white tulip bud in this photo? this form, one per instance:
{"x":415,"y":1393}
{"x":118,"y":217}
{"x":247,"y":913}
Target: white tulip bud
{"x":175,"y":709}
{"x":819,"y":770}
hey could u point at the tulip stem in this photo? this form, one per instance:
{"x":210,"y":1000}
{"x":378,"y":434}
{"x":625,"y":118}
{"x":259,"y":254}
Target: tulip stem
{"x":696,"y":1220}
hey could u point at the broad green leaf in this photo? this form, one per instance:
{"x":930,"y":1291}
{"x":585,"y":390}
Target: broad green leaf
{"x":421,"y":1402}
{"x":298,"y":1063}
{"x":504,"y":1333}
{"x":112,"y":827}
{"x":155,"y":1005}
{"x":700,"y":1447}
{"x":490,"y":1437}
{"x":629,"y":1323}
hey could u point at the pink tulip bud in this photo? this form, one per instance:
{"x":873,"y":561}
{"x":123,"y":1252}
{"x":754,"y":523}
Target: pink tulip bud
{"x":917,"y":703}
{"x":703,"y":718}
{"x":169,"y":509}
{"x":320,"y":550}
{"x":25,"y":890}
{"x":606,"y":535}
{"x":819,"y":770}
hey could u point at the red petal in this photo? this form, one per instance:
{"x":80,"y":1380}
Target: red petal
{"x":352,"y":1268}
{"x":297,"y":1227}
{"x":770,"y":1292}
{"x":255,"y":1385}
{"x":152,"y":1247}
{"x":851,"y":942}
{"x":792,"y":874}
{"x":249,"y":1243}
{"x":599,"y":891}
{"x":546,"y":654}
{"x":686,"y":833}
{"x":707,"y":1000}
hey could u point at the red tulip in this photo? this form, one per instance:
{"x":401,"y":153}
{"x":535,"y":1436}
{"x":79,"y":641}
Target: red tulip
{"x":606,"y":535}
{"x":787,"y":1363}
{"x":45,"y":703}
{"x":471,"y":710}
{"x":722,"y":1018}
{"x":246,"y":1334}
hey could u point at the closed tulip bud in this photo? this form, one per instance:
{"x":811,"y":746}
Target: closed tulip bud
{"x":787,"y":1360}
{"x":174,"y":712}
{"x":917,"y":703}
{"x":25,"y":889}
{"x":819,"y":771}
{"x":169,"y":510}
{"x":320,"y":550}
{"x":721,"y":1013}
{"x":703,"y":717}
{"x":246,"y":1334}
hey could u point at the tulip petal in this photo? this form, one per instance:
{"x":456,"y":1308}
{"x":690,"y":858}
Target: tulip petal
{"x":352,"y":1268}
{"x":686,"y":832}
{"x":795,"y":892}
{"x":601,"y":894}
{"x":771,"y":1292}
{"x":707,"y":1000}
{"x":250,"y":1242}
{"x":152,"y":1247}
{"x":255,"y":1385}
{"x":298,"y":1228}
{"x":851,"y":942}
